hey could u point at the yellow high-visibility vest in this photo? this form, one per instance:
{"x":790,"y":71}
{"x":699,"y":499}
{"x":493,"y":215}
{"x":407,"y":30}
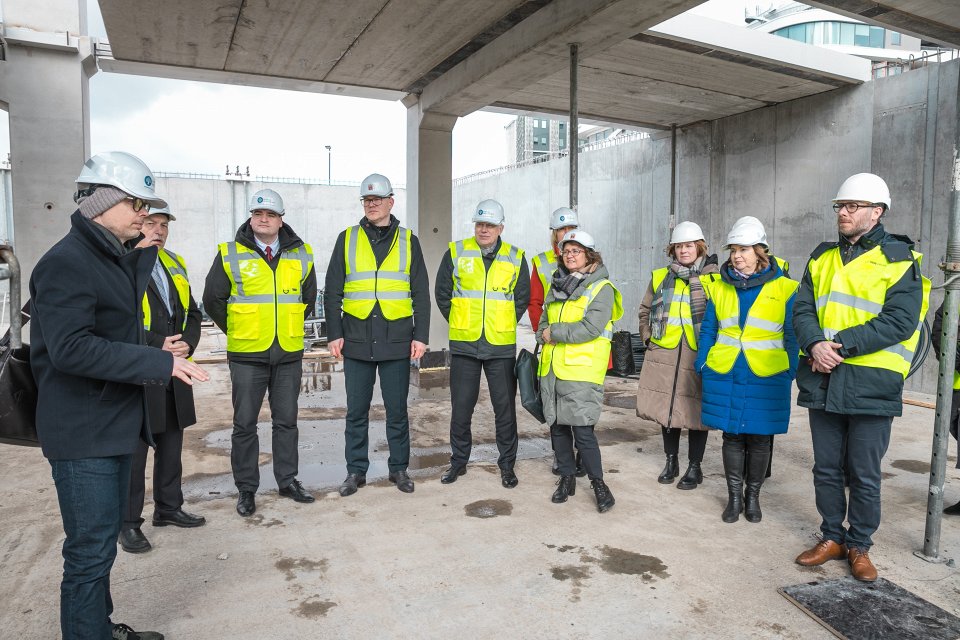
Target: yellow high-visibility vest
{"x":761,"y":339}
{"x":265,"y":304}
{"x":366,"y":284}
{"x":177,"y":269}
{"x":587,"y":361}
{"x":679,"y":316}
{"x":852,"y":294}
{"x":482,"y":301}
{"x":784,"y":265}
{"x":545,"y":263}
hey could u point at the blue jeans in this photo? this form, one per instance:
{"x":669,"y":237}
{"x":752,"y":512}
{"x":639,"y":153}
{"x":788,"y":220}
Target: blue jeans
{"x":92,"y":493}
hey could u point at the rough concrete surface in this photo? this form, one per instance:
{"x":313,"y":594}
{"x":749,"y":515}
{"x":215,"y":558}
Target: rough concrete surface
{"x":470,"y":559}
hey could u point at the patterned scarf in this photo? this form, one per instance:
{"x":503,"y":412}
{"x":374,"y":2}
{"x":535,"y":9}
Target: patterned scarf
{"x":660,"y":312}
{"x":565,"y":283}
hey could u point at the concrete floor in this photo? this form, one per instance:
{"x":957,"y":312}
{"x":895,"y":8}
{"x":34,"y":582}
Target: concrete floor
{"x":470,"y":559}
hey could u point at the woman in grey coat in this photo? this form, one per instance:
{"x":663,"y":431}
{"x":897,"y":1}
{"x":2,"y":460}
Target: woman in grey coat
{"x":576,"y":329}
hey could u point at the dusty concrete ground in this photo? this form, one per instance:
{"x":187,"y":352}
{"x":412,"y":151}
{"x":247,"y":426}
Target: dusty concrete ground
{"x":469,"y":559}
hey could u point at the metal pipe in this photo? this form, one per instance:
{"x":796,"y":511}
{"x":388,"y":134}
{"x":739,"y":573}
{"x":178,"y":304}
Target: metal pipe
{"x":16,"y":319}
{"x":948,"y":349}
{"x":574,"y":124}
{"x":673,"y":178}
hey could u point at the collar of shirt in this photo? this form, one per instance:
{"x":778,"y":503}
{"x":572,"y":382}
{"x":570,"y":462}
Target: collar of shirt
{"x":274,"y":246}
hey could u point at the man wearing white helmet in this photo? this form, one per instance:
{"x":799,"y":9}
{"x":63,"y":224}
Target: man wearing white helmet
{"x":377,"y":301}
{"x":171,"y":321}
{"x":482,"y":289}
{"x":259,"y":290}
{"x":91,"y":367}
{"x":857,"y":318}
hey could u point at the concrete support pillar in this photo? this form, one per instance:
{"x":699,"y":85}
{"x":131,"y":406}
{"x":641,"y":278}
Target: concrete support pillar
{"x":430,"y":193}
{"x":45,"y":89}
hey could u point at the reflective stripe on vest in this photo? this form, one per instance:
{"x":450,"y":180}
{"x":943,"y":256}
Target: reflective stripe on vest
{"x":546,"y":264}
{"x":761,"y":339}
{"x":366,"y":284}
{"x":177,"y":269}
{"x":264,"y":303}
{"x":482,"y":301}
{"x":587,"y":361}
{"x":679,"y":316}
{"x":852,"y":294}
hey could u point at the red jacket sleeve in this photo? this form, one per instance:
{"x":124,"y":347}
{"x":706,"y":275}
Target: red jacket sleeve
{"x":535,"y":308}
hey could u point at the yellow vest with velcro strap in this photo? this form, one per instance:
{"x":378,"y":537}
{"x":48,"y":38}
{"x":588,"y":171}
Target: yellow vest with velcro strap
{"x":545,"y":264}
{"x":761,"y":338}
{"x":265,"y":303}
{"x":587,"y":361}
{"x":177,"y":269}
{"x":852,"y":294}
{"x":679,"y":316}
{"x":482,"y":301}
{"x":366,"y":284}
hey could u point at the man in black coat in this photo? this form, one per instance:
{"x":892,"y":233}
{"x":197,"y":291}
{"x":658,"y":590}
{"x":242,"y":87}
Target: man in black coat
{"x":172,"y":326}
{"x":91,"y":366}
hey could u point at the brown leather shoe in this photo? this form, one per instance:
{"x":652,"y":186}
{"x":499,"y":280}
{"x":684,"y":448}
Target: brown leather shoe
{"x":823,"y":551}
{"x":860,"y":565}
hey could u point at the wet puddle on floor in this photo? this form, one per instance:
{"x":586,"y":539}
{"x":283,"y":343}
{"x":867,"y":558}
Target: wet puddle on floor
{"x":488,"y":508}
{"x":913,"y":466}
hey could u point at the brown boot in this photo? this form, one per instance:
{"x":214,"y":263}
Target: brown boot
{"x":823,"y":551}
{"x":860,"y":565}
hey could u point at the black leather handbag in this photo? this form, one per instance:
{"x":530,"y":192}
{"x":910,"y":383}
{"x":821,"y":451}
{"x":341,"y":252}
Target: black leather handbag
{"x":529,"y":383}
{"x":18,"y":396}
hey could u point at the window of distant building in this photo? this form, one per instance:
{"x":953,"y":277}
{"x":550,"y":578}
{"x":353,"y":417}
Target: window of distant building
{"x":541,"y":135}
{"x":562,"y":136}
{"x":842,"y":33}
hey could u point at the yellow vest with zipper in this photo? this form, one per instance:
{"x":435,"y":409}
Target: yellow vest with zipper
{"x":679,"y":316}
{"x":265,"y":303}
{"x":177,"y":269}
{"x":545,"y":263}
{"x":482,"y":301}
{"x":587,"y":361}
{"x":366,"y":284}
{"x":852,"y":294}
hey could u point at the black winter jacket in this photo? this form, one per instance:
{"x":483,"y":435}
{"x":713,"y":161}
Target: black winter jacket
{"x":87,"y":345}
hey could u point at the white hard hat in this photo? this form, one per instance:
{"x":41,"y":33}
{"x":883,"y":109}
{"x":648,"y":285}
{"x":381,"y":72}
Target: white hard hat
{"x":375,"y":185}
{"x":564,"y":217}
{"x":122,"y":170}
{"x":686,"y":232}
{"x":746,"y":232}
{"x":864,"y":187}
{"x":165,"y":211}
{"x":580,"y":237}
{"x":267,"y":199}
{"x":489,"y":211}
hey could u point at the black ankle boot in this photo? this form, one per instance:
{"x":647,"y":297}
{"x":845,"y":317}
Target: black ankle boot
{"x":691,"y":478}
{"x":604,"y":496}
{"x":670,"y":471}
{"x":581,"y":470}
{"x":556,"y":465}
{"x":566,"y":486}
{"x":733,"y":454}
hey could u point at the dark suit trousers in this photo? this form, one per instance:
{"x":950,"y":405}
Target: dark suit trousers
{"x":250,"y":382}
{"x":359,"y":378}
{"x":464,"y":393}
{"x":167,"y":475}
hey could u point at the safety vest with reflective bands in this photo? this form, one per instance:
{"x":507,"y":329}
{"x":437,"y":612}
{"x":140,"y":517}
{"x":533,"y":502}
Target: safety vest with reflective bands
{"x":679,"y":317}
{"x":761,"y":338}
{"x":852,"y":294}
{"x":265,"y":303}
{"x":177,"y":269}
{"x":587,"y":361}
{"x":545,"y":264}
{"x":367,"y":284}
{"x":482,"y":301}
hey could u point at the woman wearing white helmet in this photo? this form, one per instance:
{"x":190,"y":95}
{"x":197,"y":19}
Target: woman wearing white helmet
{"x":581,"y":307}
{"x":670,"y":314}
{"x":748,"y":359}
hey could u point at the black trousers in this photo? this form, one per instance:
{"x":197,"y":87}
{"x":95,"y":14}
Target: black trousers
{"x":167,"y":475}
{"x":359,"y":377}
{"x":464,"y":392}
{"x":697,"y":443}
{"x":562,"y":436}
{"x":250,"y":382}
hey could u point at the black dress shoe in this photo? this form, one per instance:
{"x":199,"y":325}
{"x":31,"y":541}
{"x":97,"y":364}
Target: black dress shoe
{"x":296,"y":491}
{"x":133,"y":541}
{"x":352,"y":483}
{"x":178,"y":518}
{"x":450,"y":475}
{"x":508,"y":478}
{"x":123,"y":632}
{"x":246,"y":505}
{"x":402,"y":480}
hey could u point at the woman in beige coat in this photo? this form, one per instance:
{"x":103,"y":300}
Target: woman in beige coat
{"x":670,"y":316}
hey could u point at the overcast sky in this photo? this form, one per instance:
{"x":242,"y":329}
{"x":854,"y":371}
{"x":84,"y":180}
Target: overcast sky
{"x":176,"y":125}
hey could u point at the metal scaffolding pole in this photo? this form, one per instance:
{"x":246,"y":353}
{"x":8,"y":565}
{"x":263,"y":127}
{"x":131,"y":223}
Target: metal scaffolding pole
{"x":948,"y":349}
{"x":673,"y":178}
{"x":574,"y":125}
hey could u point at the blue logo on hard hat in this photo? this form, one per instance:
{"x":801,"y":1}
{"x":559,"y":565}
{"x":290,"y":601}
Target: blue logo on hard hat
{"x":562,"y":218}
{"x":259,"y":199}
{"x":147,"y":180}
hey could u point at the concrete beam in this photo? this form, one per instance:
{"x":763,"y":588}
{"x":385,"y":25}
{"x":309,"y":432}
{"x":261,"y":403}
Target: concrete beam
{"x":925,"y":19}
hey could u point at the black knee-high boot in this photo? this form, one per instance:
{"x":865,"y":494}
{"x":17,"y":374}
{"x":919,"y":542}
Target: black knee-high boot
{"x":734,"y":449}
{"x":756,"y":472}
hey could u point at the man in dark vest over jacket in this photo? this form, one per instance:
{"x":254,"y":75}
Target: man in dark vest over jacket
{"x":91,"y":365}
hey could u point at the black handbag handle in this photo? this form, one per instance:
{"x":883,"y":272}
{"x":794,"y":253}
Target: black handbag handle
{"x":25,"y":313}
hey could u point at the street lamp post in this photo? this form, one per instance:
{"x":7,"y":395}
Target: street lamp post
{"x":329,"y":161}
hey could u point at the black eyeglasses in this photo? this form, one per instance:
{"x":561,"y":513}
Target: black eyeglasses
{"x":851,"y":207}
{"x":572,"y":252}
{"x":372,"y":201}
{"x":139,"y":205}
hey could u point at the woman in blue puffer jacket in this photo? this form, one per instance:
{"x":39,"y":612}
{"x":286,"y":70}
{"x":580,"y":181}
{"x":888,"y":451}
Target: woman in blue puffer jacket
{"x":748,"y":359}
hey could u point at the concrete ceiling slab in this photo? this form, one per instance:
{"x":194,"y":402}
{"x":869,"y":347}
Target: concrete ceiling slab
{"x":936,"y":20}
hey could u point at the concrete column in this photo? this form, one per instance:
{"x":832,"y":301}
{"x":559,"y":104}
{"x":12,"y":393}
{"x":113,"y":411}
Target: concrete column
{"x":430,"y":194}
{"x":45,"y":89}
